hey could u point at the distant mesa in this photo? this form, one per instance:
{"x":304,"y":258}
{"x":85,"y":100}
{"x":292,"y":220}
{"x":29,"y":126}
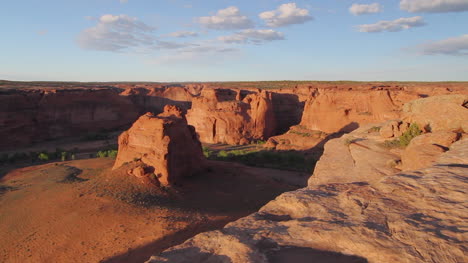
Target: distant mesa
{"x":165,"y":146}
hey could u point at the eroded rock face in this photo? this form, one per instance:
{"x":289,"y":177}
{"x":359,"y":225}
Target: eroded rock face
{"x":228,"y":116}
{"x":165,"y":144}
{"x":424,"y":149}
{"x":439,"y":113}
{"x":343,"y":111}
{"x":403,"y":217}
{"x":29,"y":116}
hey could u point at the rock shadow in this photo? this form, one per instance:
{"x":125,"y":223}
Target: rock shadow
{"x":309,"y":255}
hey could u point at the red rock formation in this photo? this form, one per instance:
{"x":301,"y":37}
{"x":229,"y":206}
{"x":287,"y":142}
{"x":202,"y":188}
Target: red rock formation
{"x":28,"y":116}
{"x":439,"y":113}
{"x":227,"y":116}
{"x":166,"y":145}
{"x":153,"y":98}
{"x":333,"y":111}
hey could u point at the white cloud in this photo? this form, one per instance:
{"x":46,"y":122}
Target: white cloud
{"x":116,"y":33}
{"x":393,"y":26}
{"x":286,"y":14}
{"x":434,"y":6}
{"x":183,"y":34}
{"x":226,"y":19}
{"x":357,"y":9}
{"x":451,"y":46}
{"x":123,"y":1}
{"x":252,"y":36}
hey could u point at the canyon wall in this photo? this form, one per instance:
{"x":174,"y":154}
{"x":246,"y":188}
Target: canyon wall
{"x":33,"y":115}
{"x":28,"y":116}
{"x":35,"y":112}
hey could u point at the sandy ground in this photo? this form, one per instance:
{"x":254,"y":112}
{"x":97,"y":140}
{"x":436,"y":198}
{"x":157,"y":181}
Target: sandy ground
{"x":59,"y":212}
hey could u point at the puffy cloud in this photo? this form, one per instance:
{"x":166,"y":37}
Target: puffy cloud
{"x":286,"y":14}
{"x":116,"y":33}
{"x":393,"y":26}
{"x":357,"y":9}
{"x":226,"y":19}
{"x":183,"y":34}
{"x":434,"y":6}
{"x":451,"y":46}
{"x":255,"y":36}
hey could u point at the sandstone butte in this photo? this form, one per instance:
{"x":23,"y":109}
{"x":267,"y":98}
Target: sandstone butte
{"x":227,"y":116}
{"x":361,"y":204}
{"x":165,"y":145}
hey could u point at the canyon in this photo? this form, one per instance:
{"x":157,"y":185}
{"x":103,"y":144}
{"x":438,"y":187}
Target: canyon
{"x":388,"y":181}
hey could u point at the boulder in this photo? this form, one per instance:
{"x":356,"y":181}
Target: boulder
{"x":393,"y":128}
{"x":439,"y":113}
{"x":424,"y":149}
{"x":166,"y":145}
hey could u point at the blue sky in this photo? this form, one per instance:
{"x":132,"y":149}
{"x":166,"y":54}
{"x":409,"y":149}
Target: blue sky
{"x":222,"y":40}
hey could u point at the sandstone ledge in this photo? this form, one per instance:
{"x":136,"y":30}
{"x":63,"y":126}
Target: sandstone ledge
{"x":412,"y":216}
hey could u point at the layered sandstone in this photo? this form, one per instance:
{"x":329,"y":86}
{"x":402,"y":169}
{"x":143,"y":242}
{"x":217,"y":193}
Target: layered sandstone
{"x":165,"y":144}
{"x":227,"y":116}
{"x":28,"y":116}
{"x":150,"y":98}
{"x":343,"y":111}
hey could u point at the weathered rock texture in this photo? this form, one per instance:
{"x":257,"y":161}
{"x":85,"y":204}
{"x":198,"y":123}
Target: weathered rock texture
{"x":403,"y":217}
{"x":227,"y":116}
{"x":166,"y":144}
{"x":153,"y":99}
{"x":28,"y":116}
{"x":438,"y":113}
{"x":343,"y":111}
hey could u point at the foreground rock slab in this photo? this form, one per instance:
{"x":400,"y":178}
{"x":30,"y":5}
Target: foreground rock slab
{"x":166,"y":145}
{"x":415,"y":216}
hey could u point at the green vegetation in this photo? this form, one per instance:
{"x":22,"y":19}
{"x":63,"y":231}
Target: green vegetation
{"x":405,"y":139}
{"x":107,"y":153}
{"x":43,"y":156}
{"x":283,"y":160}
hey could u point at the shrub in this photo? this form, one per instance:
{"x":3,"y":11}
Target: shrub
{"x":43,"y":156}
{"x":112,"y":153}
{"x":412,"y":132}
{"x":207,"y":152}
{"x":405,"y":139}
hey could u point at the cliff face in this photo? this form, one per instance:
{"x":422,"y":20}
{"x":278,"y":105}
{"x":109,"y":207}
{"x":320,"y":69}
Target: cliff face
{"x":153,"y":99}
{"x":28,"y":116}
{"x":227,"y":116}
{"x":360,"y":205}
{"x":334,"y":111}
